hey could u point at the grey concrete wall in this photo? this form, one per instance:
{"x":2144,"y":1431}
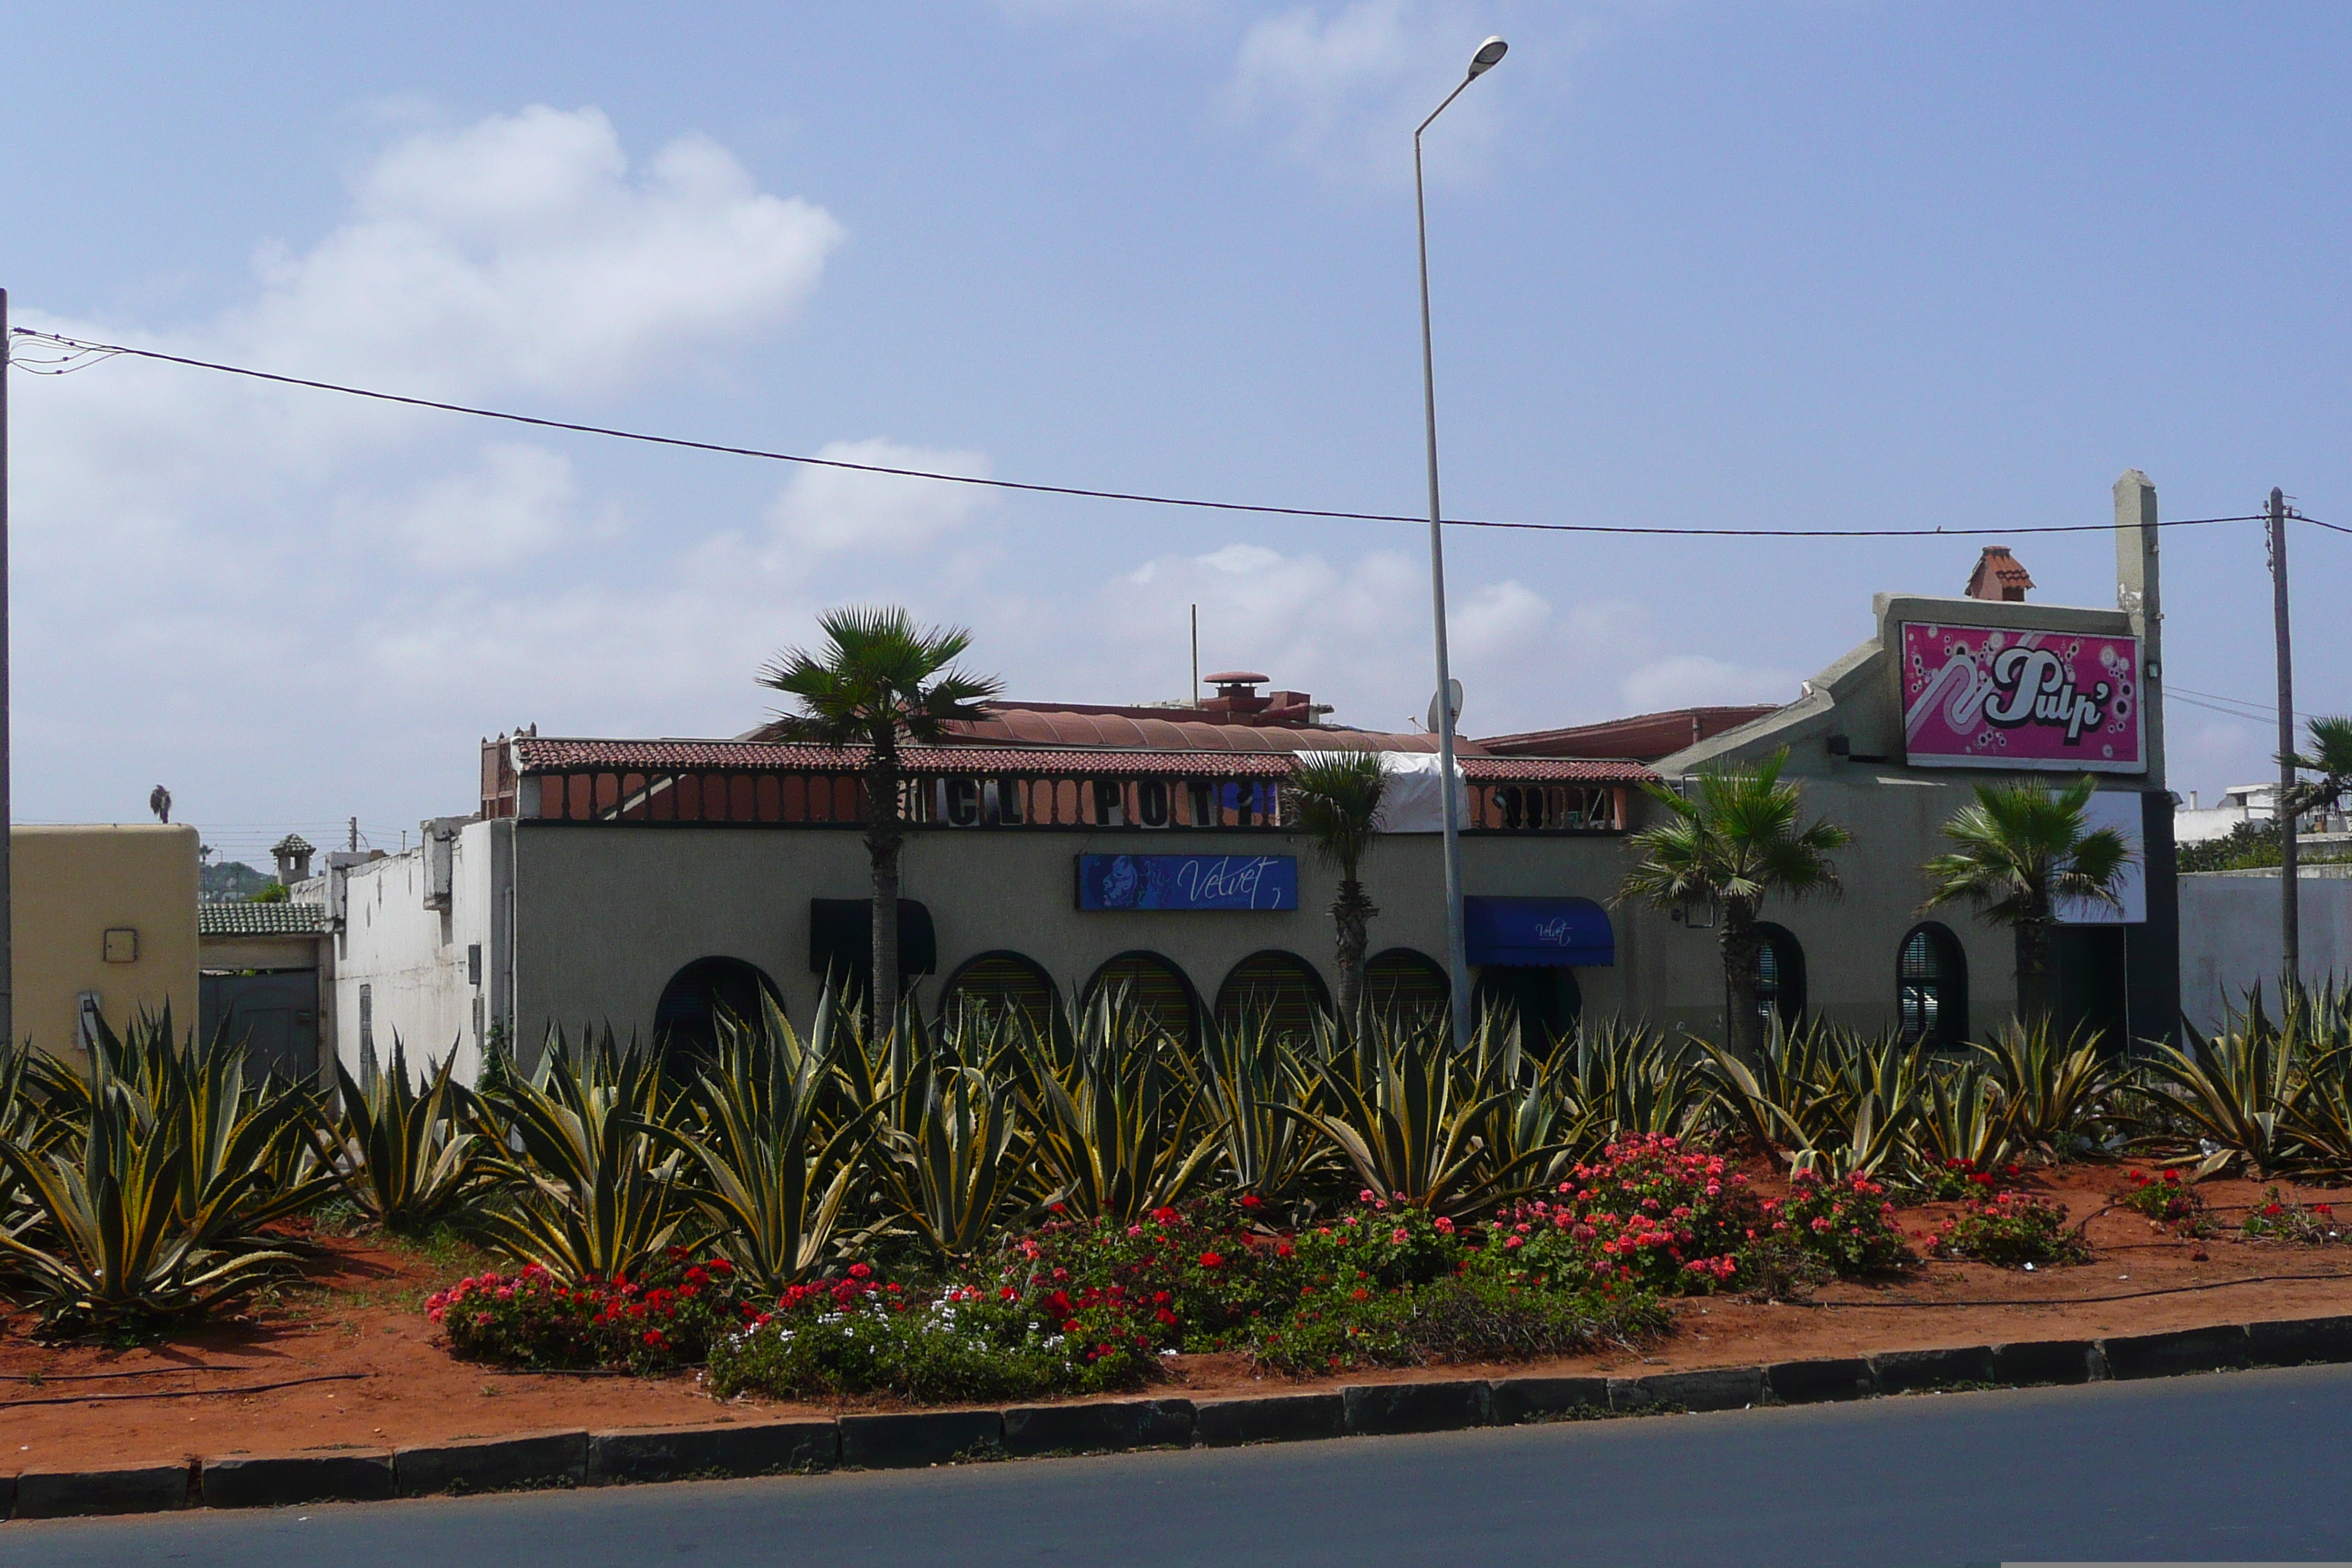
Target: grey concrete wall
{"x":2229,"y":935}
{"x":608,"y":914}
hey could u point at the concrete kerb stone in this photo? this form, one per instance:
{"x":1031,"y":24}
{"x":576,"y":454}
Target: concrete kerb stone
{"x":1513,"y":1400}
{"x":1906,"y":1372}
{"x":1275,"y":1418}
{"x":1102,"y":1428}
{"x":1718,"y":1388}
{"x":274,"y":1480}
{"x":1818,"y":1382}
{"x":923,"y":1437}
{"x":2181,"y":1350}
{"x":2048,"y":1361}
{"x":491,"y":1465}
{"x":2299,"y":1341}
{"x":1388,"y":1409}
{"x":68,"y":1494}
{"x":679,"y":1453}
{"x":7,"y":1497}
{"x":918,"y":1438}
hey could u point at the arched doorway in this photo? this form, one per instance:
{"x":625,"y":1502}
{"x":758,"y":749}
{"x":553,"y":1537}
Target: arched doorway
{"x":1001,"y":984}
{"x":1780,"y":974}
{"x":686,"y":1019}
{"x":1406,"y":985}
{"x":1283,"y":985}
{"x":1547,"y":1002}
{"x":1931,"y":987}
{"x":1151,"y":984}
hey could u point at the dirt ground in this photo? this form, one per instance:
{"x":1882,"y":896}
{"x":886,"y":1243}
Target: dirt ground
{"x":360,"y":1320}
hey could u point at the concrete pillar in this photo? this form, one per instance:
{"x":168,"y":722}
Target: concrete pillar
{"x":2137,"y":595}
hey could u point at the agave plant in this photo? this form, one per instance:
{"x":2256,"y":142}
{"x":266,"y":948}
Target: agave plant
{"x":774,"y":1175}
{"x":2230,"y":1087}
{"x":953,"y":1172}
{"x":2058,"y":1094}
{"x":1119,"y":1130}
{"x":1252,"y":1083}
{"x":1783,"y":1098}
{"x":1962,"y":1118}
{"x":112,"y":1238}
{"x":1410,"y":1115}
{"x":592,"y":1195}
{"x":1620,"y":1080}
{"x":2316,"y":1026}
{"x":410,"y":1159}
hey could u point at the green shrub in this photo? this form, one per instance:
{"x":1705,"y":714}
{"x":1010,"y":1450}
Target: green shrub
{"x":1470,"y":1317}
{"x":2275,"y":1219}
{"x":2167,"y":1200}
{"x":860,"y":1335}
{"x":2012,"y":1230}
{"x":1848,"y":1224}
{"x":1198,"y":1269}
{"x":668,"y":1317}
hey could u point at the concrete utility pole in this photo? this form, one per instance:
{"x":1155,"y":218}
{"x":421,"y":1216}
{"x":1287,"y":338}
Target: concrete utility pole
{"x":2290,"y":909}
{"x":8,"y":816}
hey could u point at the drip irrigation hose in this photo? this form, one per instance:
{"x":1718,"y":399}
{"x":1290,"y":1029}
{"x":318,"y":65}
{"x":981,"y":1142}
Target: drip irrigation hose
{"x":2085,"y":1300}
{"x":100,"y":1376}
{"x":184,"y":1393}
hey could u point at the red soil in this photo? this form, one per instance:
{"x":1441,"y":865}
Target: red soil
{"x":361,"y":1312}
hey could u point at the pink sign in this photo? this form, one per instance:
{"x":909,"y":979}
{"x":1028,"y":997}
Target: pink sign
{"x":1977,"y":698}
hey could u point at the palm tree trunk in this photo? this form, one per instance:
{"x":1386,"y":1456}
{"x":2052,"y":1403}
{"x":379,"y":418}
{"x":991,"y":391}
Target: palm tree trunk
{"x":884,"y":835}
{"x":1744,"y":1025}
{"x":1349,"y":912}
{"x":2034,"y":978}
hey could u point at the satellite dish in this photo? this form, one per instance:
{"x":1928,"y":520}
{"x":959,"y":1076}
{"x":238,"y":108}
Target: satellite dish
{"x":1454,"y":697}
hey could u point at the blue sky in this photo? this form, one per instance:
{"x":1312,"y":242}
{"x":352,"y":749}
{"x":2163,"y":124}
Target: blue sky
{"x":1804,"y":264}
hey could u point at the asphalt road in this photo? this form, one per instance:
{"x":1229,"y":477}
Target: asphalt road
{"x":2235,"y":1466}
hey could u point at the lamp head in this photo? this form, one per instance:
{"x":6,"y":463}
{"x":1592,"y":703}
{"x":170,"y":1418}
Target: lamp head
{"x":1489,"y":54}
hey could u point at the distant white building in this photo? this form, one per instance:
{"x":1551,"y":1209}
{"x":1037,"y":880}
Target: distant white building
{"x":2239,"y":803}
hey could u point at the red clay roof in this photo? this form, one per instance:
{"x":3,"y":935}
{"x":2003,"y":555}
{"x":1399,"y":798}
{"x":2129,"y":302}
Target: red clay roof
{"x":1071,"y":727}
{"x":549,"y":755}
{"x":1645,"y":737}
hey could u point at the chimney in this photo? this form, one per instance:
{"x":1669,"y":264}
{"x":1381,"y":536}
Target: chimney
{"x":1999,"y":576}
{"x":293,"y":860}
{"x":1237,"y":693}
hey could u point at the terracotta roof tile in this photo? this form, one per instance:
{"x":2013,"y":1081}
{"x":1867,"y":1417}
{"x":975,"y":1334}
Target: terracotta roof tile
{"x":544,"y":754}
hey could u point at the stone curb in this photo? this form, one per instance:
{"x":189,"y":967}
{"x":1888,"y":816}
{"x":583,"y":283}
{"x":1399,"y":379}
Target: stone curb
{"x":901,"y":1439}
{"x":274,"y":1480}
{"x":492,"y":1465}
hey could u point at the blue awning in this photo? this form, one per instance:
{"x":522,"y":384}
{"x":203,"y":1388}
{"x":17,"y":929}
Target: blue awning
{"x":1540,"y":933}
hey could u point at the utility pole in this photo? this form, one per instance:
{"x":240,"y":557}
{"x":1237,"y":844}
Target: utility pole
{"x":1194,"y":700}
{"x":2289,"y":910}
{"x":355,"y":835}
{"x":7,"y":815}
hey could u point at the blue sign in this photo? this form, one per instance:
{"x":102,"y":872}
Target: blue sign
{"x":1539,"y":933}
{"x":1188,"y":881}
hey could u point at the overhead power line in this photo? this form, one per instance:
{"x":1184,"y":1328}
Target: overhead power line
{"x":83,"y":353}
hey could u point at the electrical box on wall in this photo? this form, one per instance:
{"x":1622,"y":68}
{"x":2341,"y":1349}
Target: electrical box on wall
{"x":122,"y":945}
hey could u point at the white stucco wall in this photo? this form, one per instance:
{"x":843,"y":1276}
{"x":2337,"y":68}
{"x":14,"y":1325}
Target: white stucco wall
{"x":413,"y":958}
{"x":2229,"y":935}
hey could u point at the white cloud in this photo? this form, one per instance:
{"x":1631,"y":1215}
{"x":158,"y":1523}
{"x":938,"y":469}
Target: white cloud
{"x":514,"y":502}
{"x":521,"y":251}
{"x":1694,"y":680}
{"x":204,"y":565}
{"x":1344,"y":87}
{"x":827,"y":510}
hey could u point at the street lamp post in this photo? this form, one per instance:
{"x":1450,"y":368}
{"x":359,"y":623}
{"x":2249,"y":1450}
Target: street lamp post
{"x":1457,"y":957}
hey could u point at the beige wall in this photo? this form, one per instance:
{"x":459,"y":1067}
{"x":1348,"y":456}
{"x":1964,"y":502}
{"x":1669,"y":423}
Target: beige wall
{"x":70,"y":887}
{"x":607,"y":914}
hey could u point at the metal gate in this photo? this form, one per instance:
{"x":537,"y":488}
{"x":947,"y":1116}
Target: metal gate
{"x":273,"y":1014}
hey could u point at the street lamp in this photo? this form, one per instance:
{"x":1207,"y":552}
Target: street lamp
{"x":1457,"y":957}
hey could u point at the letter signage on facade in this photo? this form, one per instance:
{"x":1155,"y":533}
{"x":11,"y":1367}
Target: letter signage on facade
{"x":1977,"y":697}
{"x":1188,"y":881}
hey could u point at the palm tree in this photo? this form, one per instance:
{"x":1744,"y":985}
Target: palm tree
{"x":2330,"y":757}
{"x":1337,"y":798}
{"x":2021,"y":847}
{"x":879,"y":679}
{"x":1734,"y":840}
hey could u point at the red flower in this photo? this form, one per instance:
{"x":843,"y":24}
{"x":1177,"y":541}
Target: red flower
{"x":861,"y":1271}
{"x":1210,"y":1260}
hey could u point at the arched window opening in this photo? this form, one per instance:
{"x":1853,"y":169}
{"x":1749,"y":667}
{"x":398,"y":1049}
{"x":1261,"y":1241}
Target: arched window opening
{"x":1406,"y":985}
{"x":1546,"y":1002}
{"x":1153,"y":986}
{"x":1779,"y":975}
{"x":997,"y":985}
{"x":686,"y":1019}
{"x":1931,"y":988}
{"x":1281,"y":986}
